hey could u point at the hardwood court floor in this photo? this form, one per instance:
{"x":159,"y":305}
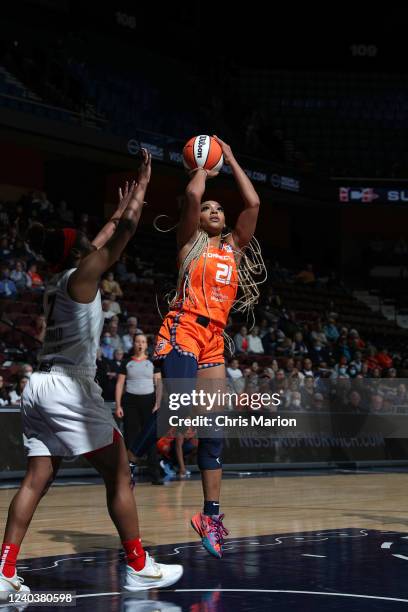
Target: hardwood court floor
{"x":74,"y":519}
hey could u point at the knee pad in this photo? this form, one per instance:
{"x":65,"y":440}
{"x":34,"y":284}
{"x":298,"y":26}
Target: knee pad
{"x":209,"y":454}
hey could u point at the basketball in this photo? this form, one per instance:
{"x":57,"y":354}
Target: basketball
{"x":202,"y":152}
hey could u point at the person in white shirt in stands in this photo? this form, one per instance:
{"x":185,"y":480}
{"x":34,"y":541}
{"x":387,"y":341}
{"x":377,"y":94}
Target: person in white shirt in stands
{"x":107,"y":313}
{"x":15,"y":395}
{"x":255,"y":342}
{"x":4,"y":396}
{"x":235,"y":376}
{"x":114,"y":304}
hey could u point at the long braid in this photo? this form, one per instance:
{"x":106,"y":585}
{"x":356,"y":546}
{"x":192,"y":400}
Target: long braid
{"x":187,"y":266}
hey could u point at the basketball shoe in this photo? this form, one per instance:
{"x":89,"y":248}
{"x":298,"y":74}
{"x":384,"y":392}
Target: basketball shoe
{"x":212,"y":532}
{"x":152,"y":576}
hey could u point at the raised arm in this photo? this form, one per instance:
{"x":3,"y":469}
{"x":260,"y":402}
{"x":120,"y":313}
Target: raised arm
{"x":108,"y":229}
{"x":246,"y":223}
{"x":190,"y":215}
{"x":84,"y":282}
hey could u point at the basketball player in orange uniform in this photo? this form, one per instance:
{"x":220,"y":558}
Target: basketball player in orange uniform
{"x":190,"y":342}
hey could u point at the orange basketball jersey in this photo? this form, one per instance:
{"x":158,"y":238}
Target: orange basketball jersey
{"x":214,"y":284}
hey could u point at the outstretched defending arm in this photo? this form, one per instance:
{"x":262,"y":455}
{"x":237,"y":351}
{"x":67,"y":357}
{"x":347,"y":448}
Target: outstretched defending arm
{"x":109,"y":228}
{"x":83,"y":283}
{"x":246,"y":223}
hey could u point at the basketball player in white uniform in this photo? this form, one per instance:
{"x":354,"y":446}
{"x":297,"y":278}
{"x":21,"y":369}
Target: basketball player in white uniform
{"x":63,"y":412}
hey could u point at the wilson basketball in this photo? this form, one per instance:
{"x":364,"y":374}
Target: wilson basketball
{"x":202,"y":152}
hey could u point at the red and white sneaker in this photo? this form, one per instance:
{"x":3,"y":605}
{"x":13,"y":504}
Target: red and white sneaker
{"x":212,"y":532}
{"x":152,"y":576}
{"x":11,"y":585}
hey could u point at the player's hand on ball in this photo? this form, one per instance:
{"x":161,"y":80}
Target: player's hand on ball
{"x":226,"y":150}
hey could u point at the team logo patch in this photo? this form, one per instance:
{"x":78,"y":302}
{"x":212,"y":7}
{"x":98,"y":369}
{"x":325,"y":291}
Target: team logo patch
{"x":161,"y":344}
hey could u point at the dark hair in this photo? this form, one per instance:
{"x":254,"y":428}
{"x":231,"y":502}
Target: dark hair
{"x":50,"y":244}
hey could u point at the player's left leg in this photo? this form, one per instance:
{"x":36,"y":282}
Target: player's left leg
{"x":141,"y":571}
{"x":41,"y":472}
{"x":208,"y":523}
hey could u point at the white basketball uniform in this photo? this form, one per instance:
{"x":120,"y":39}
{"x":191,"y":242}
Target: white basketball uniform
{"x":62,"y":407}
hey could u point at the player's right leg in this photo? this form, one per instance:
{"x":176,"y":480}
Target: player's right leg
{"x":141,"y":572}
{"x":41,"y":471}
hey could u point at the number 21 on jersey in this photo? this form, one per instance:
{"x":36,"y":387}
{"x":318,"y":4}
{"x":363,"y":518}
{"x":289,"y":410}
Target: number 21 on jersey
{"x":223,"y":275}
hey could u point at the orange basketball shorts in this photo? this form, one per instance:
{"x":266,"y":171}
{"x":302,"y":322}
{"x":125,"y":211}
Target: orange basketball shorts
{"x":191,"y":335}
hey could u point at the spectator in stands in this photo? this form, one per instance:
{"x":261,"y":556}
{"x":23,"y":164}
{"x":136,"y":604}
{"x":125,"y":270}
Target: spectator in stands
{"x":127,"y":339}
{"x":40,"y":327}
{"x":106,"y":310}
{"x":255,"y":342}
{"x":319,"y":402}
{"x":376,"y":373}
{"x":4,"y":218}
{"x":288,"y":324}
{"x":306,"y":276}
{"x":37,"y":282}
{"x":319,"y":353}
{"x":356,"y":342}
{"x":294,"y":401}
{"x":284,"y":348}
{"x":235,"y":377}
{"x":263,"y":328}
{"x":401,"y":398}
{"x":355,"y":403}
{"x":26,"y":370}
{"x":318,"y":333}
{"x":357,"y":362}
{"x":116,"y":340}
{"x":290,"y":366}
{"x":270,"y":342}
{"x":15,"y":395}
{"x":114,"y":368}
{"x":106,"y":346}
{"x":279,"y":383}
{"x":4,"y":396}
{"x":241,"y":340}
{"x":330,"y":330}
{"x":307,"y":392}
{"x":5,"y":251}
{"x":376,"y":404}
{"x":110,"y":286}
{"x":20,"y":276}
{"x":341,"y":368}
{"x":64,"y":214}
{"x":383,"y":358}
{"x":122,"y":273}
{"x":8,"y":287}
{"x":270,"y":305}
{"x":102,"y":368}
{"x":251,"y":380}
{"x":114,"y":305}
{"x":299,"y":348}
{"x":343,"y":349}
{"x":133,"y":321}
{"x":307,"y":369}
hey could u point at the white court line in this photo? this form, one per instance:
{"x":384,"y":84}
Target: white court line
{"x":401,"y":557}
{"x":386,"y":545}
{"x":320,"y":556}
{"x":257,"y":591}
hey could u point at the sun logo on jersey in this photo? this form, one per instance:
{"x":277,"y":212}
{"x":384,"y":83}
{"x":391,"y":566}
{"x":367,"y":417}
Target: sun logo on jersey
{"x":161,"y":344}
